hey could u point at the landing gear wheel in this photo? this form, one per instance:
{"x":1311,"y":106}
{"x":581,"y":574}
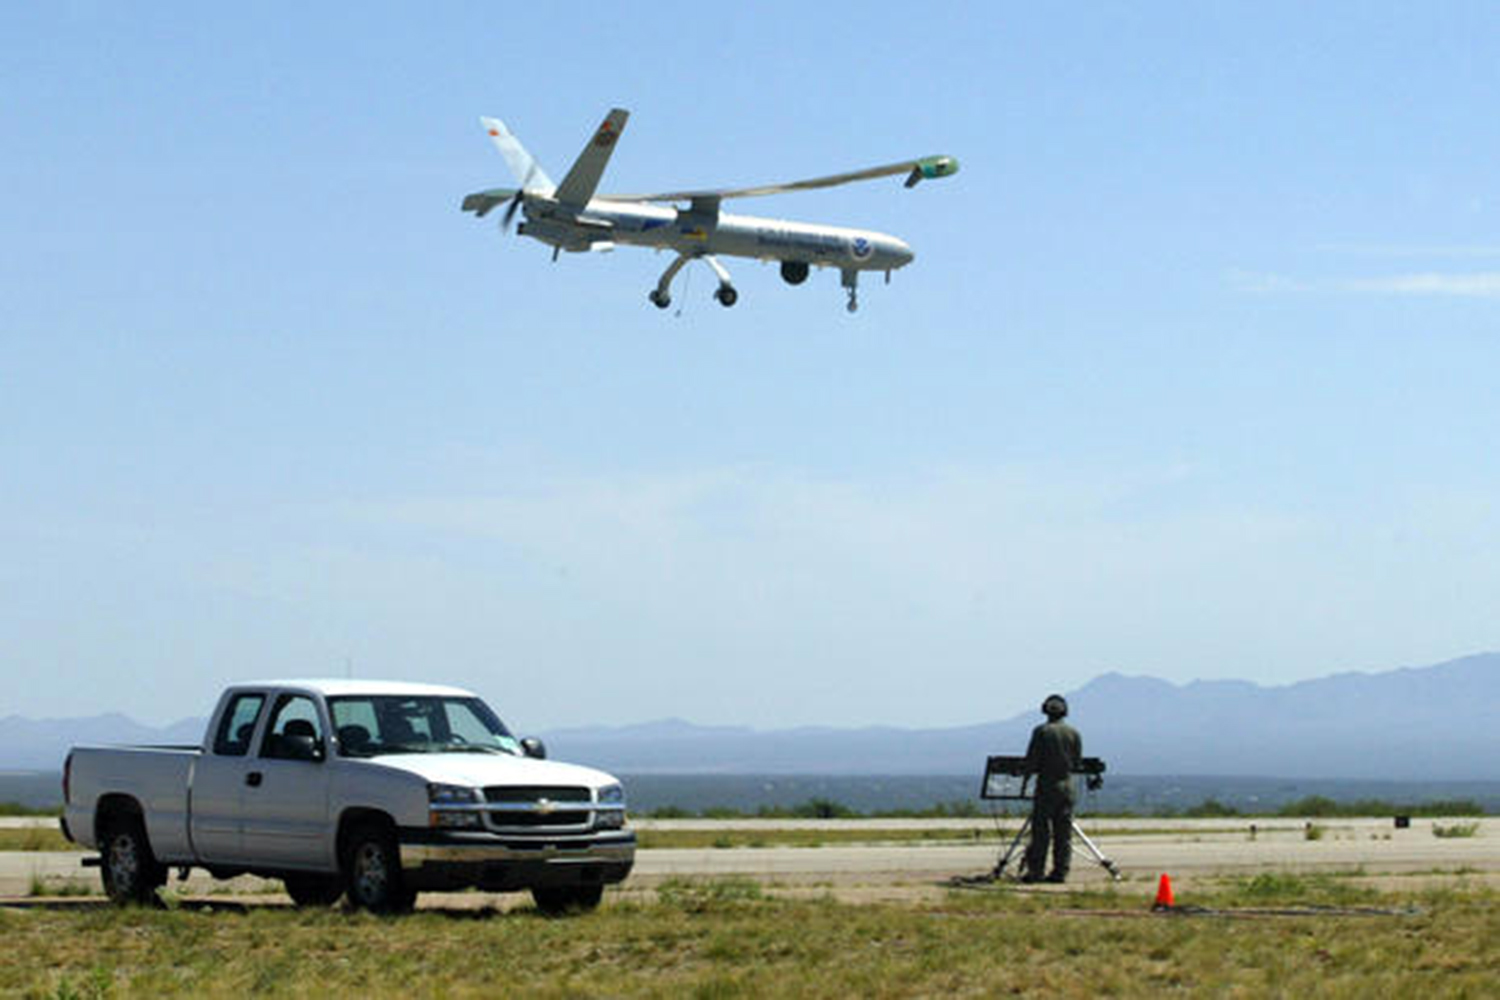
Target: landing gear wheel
{"x":659,"y":300}
{"x":130,"y":872}
{"x":560,"y":900}
{"x":373,"y":868}
{"x":727,"y":296}
{"x":314,"y":890}
{"x":851,"y":285}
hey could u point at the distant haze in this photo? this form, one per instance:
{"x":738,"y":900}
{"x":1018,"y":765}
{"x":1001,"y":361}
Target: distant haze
{"x":1425,"y":723}
{"x":1430,"y":723}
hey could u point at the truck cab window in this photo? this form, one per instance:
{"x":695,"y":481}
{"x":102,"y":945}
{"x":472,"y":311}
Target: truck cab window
{"x":372,"y":725}
{"x":238,"y":725}
{"x":465,"y":726}
{"x":295,"y":733}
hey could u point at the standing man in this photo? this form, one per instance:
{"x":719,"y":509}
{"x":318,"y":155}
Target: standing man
{"x":1052,"y":756}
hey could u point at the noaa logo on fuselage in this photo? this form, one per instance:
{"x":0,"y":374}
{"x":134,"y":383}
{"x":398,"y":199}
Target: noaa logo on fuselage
{"x":861,"y":248}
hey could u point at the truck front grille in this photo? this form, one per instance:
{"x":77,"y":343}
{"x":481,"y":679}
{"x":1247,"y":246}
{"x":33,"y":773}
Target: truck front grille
{"x":538,"y":806}
{"x":535,"y":793}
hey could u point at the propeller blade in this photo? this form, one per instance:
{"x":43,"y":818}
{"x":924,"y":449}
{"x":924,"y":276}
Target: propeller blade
{"x":510,"y":210}
{"x":515,"y":201}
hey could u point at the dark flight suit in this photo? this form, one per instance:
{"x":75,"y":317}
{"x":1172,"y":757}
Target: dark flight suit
{"x":1053,"y":754}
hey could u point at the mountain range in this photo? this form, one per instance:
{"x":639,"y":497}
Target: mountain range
{"x":1425,"y":723}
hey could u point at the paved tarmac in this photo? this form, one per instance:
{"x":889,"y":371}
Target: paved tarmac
{"x":1141,"y":848}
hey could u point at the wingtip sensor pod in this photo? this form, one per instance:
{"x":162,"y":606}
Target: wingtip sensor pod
{"x":930,"y":167}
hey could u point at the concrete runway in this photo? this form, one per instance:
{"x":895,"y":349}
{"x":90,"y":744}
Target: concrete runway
{"x":1143,"y":849}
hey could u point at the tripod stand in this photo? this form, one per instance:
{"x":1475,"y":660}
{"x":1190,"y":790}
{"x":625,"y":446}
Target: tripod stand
{"x":1015,"y":846}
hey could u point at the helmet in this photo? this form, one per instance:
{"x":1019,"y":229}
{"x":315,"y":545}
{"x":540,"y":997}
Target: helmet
{"x":1055,"y":707}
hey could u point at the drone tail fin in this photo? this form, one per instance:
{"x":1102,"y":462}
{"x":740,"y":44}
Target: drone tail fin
{"x":528,"y":173}
{"x":583,"y":178}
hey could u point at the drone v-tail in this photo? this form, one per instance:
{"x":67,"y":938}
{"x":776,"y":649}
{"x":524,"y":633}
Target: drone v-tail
{"x":571,"y":216}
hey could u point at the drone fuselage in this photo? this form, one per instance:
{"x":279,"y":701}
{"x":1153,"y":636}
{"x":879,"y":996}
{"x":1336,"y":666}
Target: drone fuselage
{"x":603,"y":223}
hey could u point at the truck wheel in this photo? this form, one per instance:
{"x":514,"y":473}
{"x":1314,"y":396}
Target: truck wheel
{"x":130,"y":872}
{"x":373,"y":870}
{"x":560,"y":900}
{"x":314,"y":890}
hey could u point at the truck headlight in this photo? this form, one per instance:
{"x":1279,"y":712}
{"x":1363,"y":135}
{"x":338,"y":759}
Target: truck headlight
{"x":451,"y":795}
{"x":453,"y":807}
{"x":610,"y":814}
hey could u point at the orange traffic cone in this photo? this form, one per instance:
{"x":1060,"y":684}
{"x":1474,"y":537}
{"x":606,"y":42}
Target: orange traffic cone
{"x":1164,"y":894}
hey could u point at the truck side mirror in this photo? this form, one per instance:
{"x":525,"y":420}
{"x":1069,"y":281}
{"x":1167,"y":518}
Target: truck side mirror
{"x":299,"y":747}
{"x":533,"y":747}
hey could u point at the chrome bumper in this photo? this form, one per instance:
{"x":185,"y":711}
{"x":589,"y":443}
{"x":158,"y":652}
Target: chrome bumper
{"x":556,"y":851}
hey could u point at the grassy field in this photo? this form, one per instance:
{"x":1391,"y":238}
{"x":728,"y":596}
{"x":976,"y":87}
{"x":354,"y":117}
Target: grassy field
{"x":49,"y":838}
{"x":780,"y":837}
{"x":36,"y":838}
{"x":729,"y":939}
{"x":652,"y":839}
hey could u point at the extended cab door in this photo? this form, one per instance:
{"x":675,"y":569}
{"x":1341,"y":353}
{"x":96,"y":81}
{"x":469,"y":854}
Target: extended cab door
{"x":219,"y":780}
{"x":286,"y":793}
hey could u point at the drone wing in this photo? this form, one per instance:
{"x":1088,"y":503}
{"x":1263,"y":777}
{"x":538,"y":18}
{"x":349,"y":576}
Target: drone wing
{"x":915,"y":171}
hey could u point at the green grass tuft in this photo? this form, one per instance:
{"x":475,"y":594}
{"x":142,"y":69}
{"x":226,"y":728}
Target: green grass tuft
{"x":705,"y":895}
{"x":41,"y":887}
{"x":35,"y":838}
{"x":1455,"y":830}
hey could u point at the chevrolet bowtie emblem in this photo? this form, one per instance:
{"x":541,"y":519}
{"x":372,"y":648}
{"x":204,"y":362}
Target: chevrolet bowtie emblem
{"x":546,"y":806}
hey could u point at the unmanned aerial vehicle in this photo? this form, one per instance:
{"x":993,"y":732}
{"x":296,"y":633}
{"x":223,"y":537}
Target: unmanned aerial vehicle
{"x":571,"y":216}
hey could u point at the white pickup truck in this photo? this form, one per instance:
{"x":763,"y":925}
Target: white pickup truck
{"x":370,"y":788}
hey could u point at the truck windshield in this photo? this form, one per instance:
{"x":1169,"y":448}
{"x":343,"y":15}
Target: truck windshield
{"x":371,"y":725}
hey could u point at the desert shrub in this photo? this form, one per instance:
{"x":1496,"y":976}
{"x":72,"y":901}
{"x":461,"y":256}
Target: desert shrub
{"x":1310,"y":805}
{"x":1455,"y":830}
{"x":705,"y":895}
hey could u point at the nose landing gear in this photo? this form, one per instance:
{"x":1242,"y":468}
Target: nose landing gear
{"x":851,"y":282}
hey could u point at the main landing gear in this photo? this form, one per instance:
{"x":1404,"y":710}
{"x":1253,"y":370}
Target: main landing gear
{"x":661,"y":295}
{"x":793,"y":272}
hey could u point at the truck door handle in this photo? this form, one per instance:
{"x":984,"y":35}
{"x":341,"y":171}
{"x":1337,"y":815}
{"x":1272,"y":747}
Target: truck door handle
{"x":253,"y":779}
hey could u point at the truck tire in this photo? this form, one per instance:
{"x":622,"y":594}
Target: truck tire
{"x":314,"y":890}
{"x":559,"y":900}
{"x":372,"y":868}
{"x":130,"y":872}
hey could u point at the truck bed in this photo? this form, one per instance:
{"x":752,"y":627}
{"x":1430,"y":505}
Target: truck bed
{"x":157,"y":777}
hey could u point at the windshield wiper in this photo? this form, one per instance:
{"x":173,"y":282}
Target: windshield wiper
{"x":386,"y":748}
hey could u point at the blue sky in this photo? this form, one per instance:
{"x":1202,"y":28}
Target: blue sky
{"x":1193,"y":374}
